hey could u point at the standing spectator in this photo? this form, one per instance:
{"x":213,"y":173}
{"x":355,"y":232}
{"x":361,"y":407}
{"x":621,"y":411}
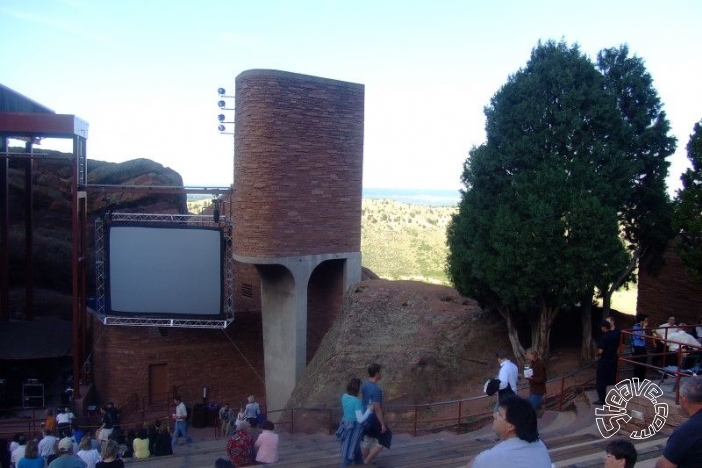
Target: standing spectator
{"x":50,"y":422}
{"x":508,"y":376}
{"x":519,"y":446}
{"x":141,"y":445}
{"x":226,"y":415}
{"x":87,"y":453}
{"x":606,"y":373}
{"x":31,"y":458}
{"x":110,"y":456}
{"x":240,"y":445}
{"x":620,"y":454}
{"x":105,"y":430}
{"x":77,"y":433}
{"x":537,"y":379}
{"x":661,"y":333}
{"x":18,"y":452}
{"x":638,"y":345}
{"x":350,"y":430}
{"x":46,"y":444}
{"x":266,"y":445}
{"x":252,"y":411}
{"x":181,"y":421}
{"x":378,"y":434}
{"x":684,"y":447}
{"x":63,"y":423}
{"x":65,"y":458}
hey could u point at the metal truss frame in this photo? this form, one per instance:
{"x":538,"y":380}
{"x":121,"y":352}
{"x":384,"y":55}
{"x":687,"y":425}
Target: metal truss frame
{"x":175,"y":321}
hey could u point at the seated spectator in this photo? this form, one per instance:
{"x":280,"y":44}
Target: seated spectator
{"x":129,"y":443}
{"x":620,"y":454}
{"x":141,"y":445}
{"x":163,"y":442}
{"x":20,"y":447}
{"x":267,"y":444}
{"x":110,"y":456}
{"x":519,"y":446}
{"x":65,"y":458}
{"x":31,"y":458}
{"x":684,"y":447}
{"x":87,"y":453}
{"x":240,"y":445}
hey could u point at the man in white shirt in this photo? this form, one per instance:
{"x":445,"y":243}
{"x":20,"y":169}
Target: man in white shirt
{"x":19,"y":451}
{"x":45,"y":447}
{"x":519,"y":446}
{"x":508,"y":377}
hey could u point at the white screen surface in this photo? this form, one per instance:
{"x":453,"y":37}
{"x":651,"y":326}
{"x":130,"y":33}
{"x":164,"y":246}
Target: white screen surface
{"x":164,"y":270}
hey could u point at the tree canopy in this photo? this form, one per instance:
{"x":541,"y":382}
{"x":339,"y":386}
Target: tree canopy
{"x":688,"y":209}
{"x":569,"y":154}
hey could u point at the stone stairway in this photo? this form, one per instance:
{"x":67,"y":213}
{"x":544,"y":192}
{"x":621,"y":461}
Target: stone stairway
{"x":571,"y":436}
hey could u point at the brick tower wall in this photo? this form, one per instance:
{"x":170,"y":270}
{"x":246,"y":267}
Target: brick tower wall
{"x":671,"y":292}
{"x":298,"y":165}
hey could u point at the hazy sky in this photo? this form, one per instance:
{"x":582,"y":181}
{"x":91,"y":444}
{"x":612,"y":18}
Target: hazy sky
{"x":145,"y":73}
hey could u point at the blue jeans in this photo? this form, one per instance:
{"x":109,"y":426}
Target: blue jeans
{"x":181,"y":429}
{"x":536,"y":400}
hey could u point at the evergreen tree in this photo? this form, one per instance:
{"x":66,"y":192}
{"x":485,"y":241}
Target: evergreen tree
{"x":688,"y":208}
{"x":538,"y":219}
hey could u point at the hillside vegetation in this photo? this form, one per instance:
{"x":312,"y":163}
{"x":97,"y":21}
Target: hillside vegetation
{"x":406,"y":241}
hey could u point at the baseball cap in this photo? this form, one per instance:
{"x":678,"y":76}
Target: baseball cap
{"x":65,"y":445}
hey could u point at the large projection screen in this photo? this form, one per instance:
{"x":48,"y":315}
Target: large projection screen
{"x":164,"y":271}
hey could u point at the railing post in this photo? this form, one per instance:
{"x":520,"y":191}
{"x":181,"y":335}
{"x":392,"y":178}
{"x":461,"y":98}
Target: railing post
{"x":560,"y":397}
{"x":292,"y":420}
{"x":460,"y":410}
{"x":415,"y":420}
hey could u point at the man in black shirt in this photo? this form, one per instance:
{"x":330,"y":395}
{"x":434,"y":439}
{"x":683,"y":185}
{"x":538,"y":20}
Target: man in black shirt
{"x":607,"y":347}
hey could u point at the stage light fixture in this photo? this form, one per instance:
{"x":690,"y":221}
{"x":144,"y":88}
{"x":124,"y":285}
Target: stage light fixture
{"x":221,"y":91}
{"x":221,"y":104}
{"x":221,"y":117}
{"x":222,"y":128}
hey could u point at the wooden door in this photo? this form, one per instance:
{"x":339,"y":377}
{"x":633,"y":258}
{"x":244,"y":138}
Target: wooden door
{"x":158,"y":383}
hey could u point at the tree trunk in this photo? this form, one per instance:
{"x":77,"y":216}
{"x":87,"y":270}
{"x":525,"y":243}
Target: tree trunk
{"x":626,"y":274}
{"x":587,"y":349}
{"x":543,"y":330}
{"x":517,"y":348}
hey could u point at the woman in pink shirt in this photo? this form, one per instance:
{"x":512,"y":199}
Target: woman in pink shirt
{"x":267,"y":444}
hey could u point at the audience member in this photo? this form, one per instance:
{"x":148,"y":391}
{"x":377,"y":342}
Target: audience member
{"x":226,"y":415}
{"x":252,"y":410}
{"x":684,"y":447}
{"x":46,"y":444}
{"x":163,"y":442}
{"x":638,"y":346}
{"x":50,"y":422}
{"x":181,"y":421}
{"x":105,"y":430}
{"x":77,"y":433}
{"x":378,"y":434}
{"x":110,"y":456}
{"x":87,"y":453}
{"x":660,"y":333}
{"x":507,"y":375}
{"x":65,"y":458}
{"x":63,"y":422}
{"x":350,"y":430}
{"x":519,"y":446}
{"x":18,"y":452}
{"x":31,"y":458}
{"x":537,"y":379}
{"x":141,"y":445}
{"x":240,"y":445}
{"x":266,"y":444}
{"x":606,"y":373}
{"x":5,"y":453}
{"x":620,"y":454}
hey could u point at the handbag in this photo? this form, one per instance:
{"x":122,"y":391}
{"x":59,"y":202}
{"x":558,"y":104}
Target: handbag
{"x":491,"y":386}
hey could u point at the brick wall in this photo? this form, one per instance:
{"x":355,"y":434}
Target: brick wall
{"x":671,"y":292}
{"x":299,"y":165}
{"x":194,"y":358}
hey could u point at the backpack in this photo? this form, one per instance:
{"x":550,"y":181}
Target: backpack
{"x":491,"y":386}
